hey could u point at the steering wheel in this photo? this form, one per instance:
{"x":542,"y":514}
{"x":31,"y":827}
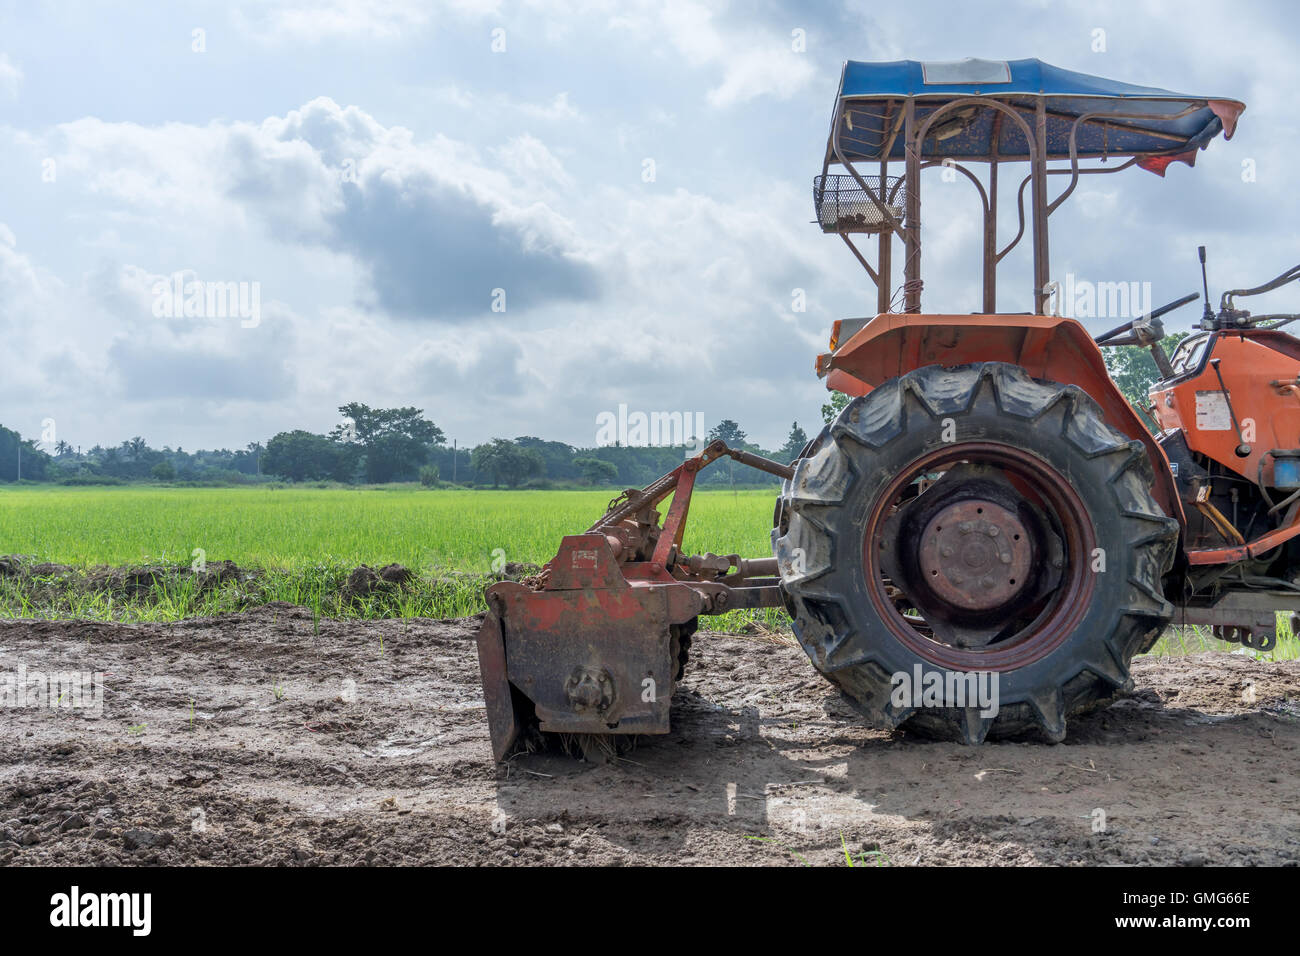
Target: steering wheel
{"x":1152,"y":318}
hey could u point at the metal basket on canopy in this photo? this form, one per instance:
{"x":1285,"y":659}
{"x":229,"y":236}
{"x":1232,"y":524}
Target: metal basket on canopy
{"x":844,"y":206}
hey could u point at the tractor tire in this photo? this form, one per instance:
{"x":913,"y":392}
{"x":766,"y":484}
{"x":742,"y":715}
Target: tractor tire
{"x":1033,"y":485}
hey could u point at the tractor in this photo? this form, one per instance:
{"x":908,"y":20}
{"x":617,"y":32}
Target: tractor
{"x":987,"y":503}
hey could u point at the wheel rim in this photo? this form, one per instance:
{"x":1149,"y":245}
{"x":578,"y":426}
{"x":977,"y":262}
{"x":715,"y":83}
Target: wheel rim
{"x":975,"y":554}
{"x":963,"y":567}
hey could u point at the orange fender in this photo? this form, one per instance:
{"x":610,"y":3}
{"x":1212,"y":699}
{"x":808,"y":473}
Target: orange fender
{"x":1046,"y":346}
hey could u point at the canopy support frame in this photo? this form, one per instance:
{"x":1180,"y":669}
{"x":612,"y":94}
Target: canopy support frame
{"x":909,"y":229}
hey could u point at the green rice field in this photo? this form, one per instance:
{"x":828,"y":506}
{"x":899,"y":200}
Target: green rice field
{"x":302,"y":544}
{"x":302,"y":527}
{"x":305,"y":541}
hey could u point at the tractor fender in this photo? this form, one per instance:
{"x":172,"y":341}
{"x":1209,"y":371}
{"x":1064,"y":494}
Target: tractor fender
{"x":1049,"y":347}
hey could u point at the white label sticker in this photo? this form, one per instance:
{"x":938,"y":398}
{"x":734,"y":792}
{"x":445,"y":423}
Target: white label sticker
{"x":962,"y":72}
{"x":1212,"y":412}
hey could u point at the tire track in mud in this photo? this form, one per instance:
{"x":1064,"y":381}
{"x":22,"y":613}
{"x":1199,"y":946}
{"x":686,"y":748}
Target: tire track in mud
{"x":267,"y":737}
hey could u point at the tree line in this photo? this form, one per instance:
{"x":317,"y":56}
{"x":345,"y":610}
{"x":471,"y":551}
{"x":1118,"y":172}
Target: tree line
{"x":132,"y":460}
{"x":381,"y":445}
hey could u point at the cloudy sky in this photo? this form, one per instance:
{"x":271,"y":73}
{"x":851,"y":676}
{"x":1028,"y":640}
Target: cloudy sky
{"x":379,"y":168}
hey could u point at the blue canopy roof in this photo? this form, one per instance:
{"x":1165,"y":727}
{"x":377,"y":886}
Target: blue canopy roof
{"x":1174,"y":125}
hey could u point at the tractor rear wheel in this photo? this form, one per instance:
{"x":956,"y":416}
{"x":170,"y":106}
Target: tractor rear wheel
{"x":974,"y":521}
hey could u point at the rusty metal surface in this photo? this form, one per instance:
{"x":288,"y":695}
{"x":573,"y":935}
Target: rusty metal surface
{"x":588,"y":647}
{"x":590,"y":651}
{"x":591,"y":661}
{"x":916,"y":130}
{"x":496,"y":687}
{"x":1245,"y":617}
{"x":1252,"y":549}
{"x":961,"y":625}
{"x":976,"y":554}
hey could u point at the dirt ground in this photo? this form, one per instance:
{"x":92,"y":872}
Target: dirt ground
{"x":267,"y":738}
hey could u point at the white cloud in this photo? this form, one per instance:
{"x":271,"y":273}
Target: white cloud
{"x":557,"y":109}
{"x":378,"y":230}
{"x":312,"y":22}
{"x":685,"y":280}
{"x":315,"y":21}
{"x":11,"y":76}
{"x":754,"y":62}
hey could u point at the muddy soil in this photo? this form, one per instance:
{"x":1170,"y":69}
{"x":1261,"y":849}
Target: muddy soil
{"x":266,"y":738}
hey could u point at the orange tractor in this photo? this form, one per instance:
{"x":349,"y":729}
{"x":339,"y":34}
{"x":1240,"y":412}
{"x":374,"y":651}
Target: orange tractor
{"x":987,"y":504}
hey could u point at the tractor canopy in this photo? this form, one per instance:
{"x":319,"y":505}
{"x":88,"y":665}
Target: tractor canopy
{"x":996,"y":112}
{"x":1087,"y":116}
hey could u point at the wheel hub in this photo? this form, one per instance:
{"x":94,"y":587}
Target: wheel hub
{"x":971,"y":555}
{"x":975,"y":555}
